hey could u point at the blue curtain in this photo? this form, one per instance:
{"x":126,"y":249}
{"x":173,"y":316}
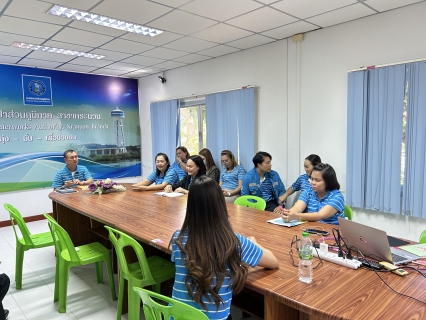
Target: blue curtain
{"x":230,"y":124}
{"x":413,"y":200}
{"x":356,"y":138}
{"x":165,"y":128}
{"x":375,"y":132}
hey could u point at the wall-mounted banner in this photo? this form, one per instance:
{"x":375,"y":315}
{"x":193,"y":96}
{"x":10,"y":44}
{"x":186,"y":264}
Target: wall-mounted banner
{"x":36,"y":90}
{"x":98,"y":116}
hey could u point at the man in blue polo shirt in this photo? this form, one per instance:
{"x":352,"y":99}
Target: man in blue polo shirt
{"x":263,"y":182}
{"x":72,"y":174}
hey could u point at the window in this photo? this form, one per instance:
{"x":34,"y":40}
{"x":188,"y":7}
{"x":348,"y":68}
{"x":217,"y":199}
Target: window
{"x":193,"y":133}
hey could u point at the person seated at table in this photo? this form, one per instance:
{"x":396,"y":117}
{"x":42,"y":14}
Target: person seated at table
{"x":179,"y":165}
{"x":303,"y":182}
{"x":162,"y":176}
{"x":263,"y":182}
{"x":211,"y":259}
{"x":4,"y":287}
{"x":324,"y":201}
{"x":231,"y":176}
{"x":72,"y":174}
{"x":211,"y":170}
{"x":195,"y":167}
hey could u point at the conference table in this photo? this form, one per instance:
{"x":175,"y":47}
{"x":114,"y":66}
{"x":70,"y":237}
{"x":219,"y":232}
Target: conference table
{"x":336,"y":292}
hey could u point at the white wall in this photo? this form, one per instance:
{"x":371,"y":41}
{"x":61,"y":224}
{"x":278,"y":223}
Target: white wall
{"x":291,"y":126}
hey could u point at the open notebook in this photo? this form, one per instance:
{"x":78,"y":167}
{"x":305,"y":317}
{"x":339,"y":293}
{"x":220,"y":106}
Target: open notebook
{"x":169,"y":194}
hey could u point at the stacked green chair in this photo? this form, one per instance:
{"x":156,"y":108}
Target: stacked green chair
{"x":27,"y":242}
{"x":144,"y":272}
{"x":423,"y":237}
{"x":172,"y":308}
{"x":348,"y":212}
{"x":68,"y":256}
{"x":251,"y":202}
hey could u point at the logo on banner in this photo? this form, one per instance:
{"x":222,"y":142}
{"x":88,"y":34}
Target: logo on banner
{"x":37,"y":90}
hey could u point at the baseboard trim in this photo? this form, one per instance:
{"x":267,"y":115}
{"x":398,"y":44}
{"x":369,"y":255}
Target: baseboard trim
{"x":26,"y":219}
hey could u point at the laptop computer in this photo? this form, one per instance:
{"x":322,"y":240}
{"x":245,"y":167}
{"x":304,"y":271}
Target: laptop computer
{"x":373,"y":243}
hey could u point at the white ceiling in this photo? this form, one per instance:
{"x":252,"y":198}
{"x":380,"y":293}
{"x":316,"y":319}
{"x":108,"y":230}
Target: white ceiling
{"x":194,"y":30}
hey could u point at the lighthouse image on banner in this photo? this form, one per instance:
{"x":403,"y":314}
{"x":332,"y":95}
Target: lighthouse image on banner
{"x":117,"y":115}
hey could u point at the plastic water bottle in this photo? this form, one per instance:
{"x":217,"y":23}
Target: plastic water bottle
{"x":305,"y":259}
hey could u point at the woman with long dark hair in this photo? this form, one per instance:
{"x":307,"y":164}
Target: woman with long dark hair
{"x":162,"y":176}
{"x":211,"y":260}
{"x":195,"y":167}
{"x":212,"y":171}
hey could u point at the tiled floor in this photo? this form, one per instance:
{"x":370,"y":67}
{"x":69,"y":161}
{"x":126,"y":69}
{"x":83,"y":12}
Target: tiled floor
{"x":87,"y":299}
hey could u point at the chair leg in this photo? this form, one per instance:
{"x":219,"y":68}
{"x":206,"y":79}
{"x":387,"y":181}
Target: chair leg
{"x":111,"y":278}
{"x":19,"y":263}
{"x":99,"y":272}
{"x":120,"y":298}
{"x":56,"y":292}
{"x":63,"y":286}
{"x":134,"y":302}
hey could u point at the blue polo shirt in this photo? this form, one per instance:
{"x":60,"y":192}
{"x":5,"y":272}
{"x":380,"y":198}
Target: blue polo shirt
{"x":230,"y":179}
{"x":181,"y":173}
{"x":302,"y":183}
{"x":251,"y":254}
{"x":333,"y":198}
{"x":171,"y":177}
{"x":81,"y":173}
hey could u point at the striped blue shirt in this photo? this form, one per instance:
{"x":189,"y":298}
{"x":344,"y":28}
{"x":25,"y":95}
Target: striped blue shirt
{"x":302,"y":183}
{"x":171,"y":177}
{"x":181,"y":173}
{"x":81,"y":173}
{"x":333,"y":198}
{"x":266,"y":189}
{"x":230,"y":179}
{"x":251,"y":255}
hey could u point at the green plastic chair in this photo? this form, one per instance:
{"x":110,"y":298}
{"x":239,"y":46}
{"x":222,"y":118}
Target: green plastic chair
{"x":251,"y":202}
{"x":144,"y":272}
{"x":348,"y":212}
{"x":68,"y":256}
{"x":172,"y":308}
{"x":423,"y":237}
{"x":27,"y":242}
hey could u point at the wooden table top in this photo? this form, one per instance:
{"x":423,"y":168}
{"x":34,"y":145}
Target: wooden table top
{"x":335,"y":293}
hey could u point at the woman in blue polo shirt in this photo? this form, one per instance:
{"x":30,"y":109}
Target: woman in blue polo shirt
{"x":182,"y":156}
{"x":231,"y":176}
{"x":324,"y":201}
{"x":162,"y":176}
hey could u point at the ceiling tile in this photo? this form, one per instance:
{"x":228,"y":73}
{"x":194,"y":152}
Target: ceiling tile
{"x":268,"y":1}
{"x":222,"y":33}
{"x":96,"y":29}
{"x":111,"y":55}
{"x":290,"y":30}
{"x":8,"y":59}
{"x":27,"y":27}
{"x":84,"y":38}
{"x":381,"y":5}
{"x":123,"y":67}
{"x":164,"y":53}
{"x":189,"y":44}
{"x":8,"y":39}
{"x":2,"y":4}
{"x":142,"y":60}
{"x":341,"y":15}
{"x":12,"y":51}
{"x":182,"y":22}
{"x":50,"y":56}
{"x":81,"y":61}
{"x":67,"y":46}
{"x":158,"y":40}
{"x":76,"y":4}
{"x":33,"y":10}
{"x":136,"y":11}
{"x":250,"y":41}
{"x":220,"y":10}
{"x":171,"y":3}
{"x":261,"y":20}
{"x":308,"y":8}
{"x":218,"y":51}
{"x":126,"y":46}
{"x":108,"y":72}
{"x":170,"y":65}
{"x":39,"y":63}
{"x":192,"y":58}
{"x":71,"y":67}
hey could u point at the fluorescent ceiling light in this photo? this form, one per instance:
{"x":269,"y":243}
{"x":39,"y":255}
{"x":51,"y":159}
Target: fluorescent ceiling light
{"x":56,"y":50}
{"x":102,"y":21}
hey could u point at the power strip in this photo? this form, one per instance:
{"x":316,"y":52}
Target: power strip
{"x":333,"y":257}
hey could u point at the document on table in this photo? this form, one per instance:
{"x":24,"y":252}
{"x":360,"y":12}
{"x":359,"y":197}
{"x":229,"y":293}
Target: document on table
{"x":169,"y":194}
{"x":279,"y":221}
